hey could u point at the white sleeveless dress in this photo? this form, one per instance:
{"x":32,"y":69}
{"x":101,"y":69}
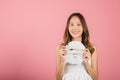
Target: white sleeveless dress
{"x":75,"y":72}
{"x":74,"y":68}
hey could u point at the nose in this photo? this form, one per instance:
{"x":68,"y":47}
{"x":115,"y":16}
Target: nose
{"x":75,"y":27}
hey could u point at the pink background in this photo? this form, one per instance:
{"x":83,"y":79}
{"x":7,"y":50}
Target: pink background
{"x":30,"y":31}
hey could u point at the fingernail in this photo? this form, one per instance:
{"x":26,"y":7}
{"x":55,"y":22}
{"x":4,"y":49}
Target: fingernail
{"x":86,"y":57}
{"x":86,"y":50}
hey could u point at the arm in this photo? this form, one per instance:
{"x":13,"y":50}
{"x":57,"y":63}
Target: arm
{"x":60,"y":64}
{"x":93,"y":68}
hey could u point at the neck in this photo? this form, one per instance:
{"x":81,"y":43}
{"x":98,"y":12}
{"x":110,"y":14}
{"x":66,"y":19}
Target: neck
{"x":77,"y":39}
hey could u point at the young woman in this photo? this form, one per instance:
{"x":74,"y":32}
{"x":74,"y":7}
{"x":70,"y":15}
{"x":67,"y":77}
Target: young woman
{"x":77,"y":30}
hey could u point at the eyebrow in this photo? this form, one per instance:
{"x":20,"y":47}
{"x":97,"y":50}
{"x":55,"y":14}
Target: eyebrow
{"x":76,"y":22}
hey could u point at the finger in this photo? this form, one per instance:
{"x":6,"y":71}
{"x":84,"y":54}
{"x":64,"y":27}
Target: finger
{"x":84,"y":50}
{"x":63,"y":53}
{"x":86,"y":60}
{"x":85,"y":53}
{"x":63,"y":47}
{"x":86,"y":57}
{"x":87,"y":50}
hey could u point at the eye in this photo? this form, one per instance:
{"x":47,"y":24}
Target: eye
{"x":71,"y":24}
{"x":78,"y":24}
{"x":71,"y":49}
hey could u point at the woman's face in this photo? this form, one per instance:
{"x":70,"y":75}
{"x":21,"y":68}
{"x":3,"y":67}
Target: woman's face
{"x":75,"y":27}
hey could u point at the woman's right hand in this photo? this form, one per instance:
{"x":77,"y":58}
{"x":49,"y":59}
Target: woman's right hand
{"x":62,"y":52}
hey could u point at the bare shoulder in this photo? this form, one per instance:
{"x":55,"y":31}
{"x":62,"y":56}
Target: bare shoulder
{"x":94,"y":55}
{"x":95,"y":48}
{"x":93,"y":45}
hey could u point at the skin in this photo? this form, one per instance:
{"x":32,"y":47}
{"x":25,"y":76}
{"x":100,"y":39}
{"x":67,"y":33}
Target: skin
{"x":75,"y":30}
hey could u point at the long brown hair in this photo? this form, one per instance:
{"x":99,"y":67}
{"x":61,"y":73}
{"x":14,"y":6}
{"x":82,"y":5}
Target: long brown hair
{"x":85,"y":35}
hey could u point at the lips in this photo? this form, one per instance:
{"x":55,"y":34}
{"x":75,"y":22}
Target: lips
{"x":75,"y":32}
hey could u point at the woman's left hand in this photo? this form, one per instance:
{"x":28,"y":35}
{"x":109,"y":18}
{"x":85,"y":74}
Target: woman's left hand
{"x":86,"y":55}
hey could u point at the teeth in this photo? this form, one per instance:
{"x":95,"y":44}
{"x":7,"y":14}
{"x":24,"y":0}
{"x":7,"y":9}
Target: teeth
{"x":75,"y":32}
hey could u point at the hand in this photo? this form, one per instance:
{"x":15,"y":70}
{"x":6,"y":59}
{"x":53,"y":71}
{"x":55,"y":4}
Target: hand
{"x":62,"y":52}
{"x":86,"y":55}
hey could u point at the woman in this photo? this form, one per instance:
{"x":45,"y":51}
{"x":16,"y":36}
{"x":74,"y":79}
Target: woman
{"x":77,"y":30}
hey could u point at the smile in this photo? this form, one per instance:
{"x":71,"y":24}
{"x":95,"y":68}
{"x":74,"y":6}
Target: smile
{"x":75,"y":32}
